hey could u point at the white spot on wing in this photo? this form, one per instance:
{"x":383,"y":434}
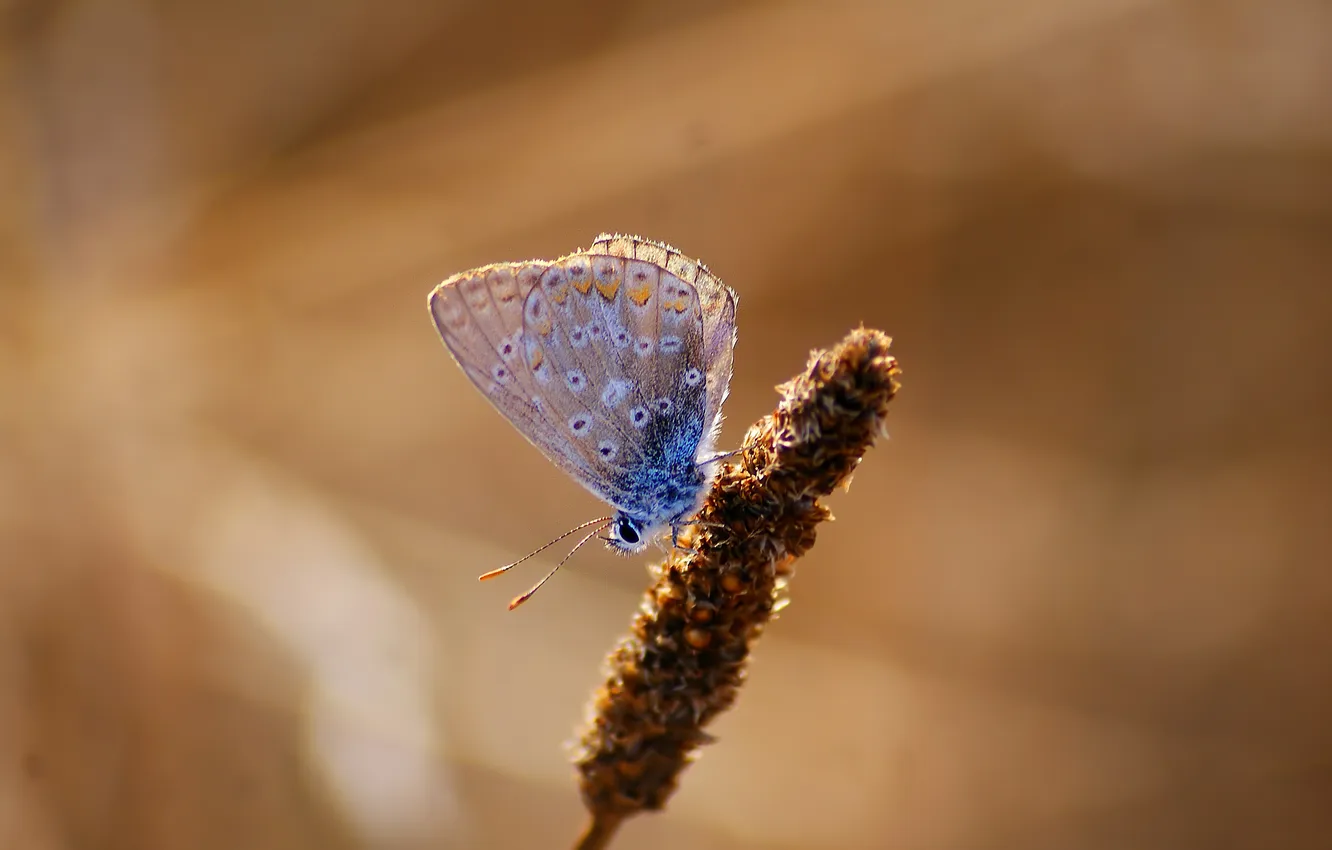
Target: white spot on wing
{"x":617,"y":390}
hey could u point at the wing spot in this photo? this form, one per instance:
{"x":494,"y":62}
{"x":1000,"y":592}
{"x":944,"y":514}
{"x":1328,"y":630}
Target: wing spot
{"x":576,"y":380}
{"x":617,"y":390}
{"x":639,"y":417}
{"x":535,"y":354}
{"x":607,"y":280}
{"x":474,"y":291}
{"x":501,"y":374}
{"x":640,"y":294}
{"x":644,"y":346}
{"x":608,"y":449}
{"x":692,"y":377}
{"x":663,"y":406}
{"x":621,"y":339}
{"x":579,"y":277}
{"x":452,"y":314}
{"x":536,"y":315}
{"x":580,"y":424}
{"x":578,"y":336}
{"x":670,"y":344}
{"x":503,"y":285}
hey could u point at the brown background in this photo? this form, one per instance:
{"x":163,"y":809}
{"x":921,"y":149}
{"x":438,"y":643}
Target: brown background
{"x":1080,"y":600}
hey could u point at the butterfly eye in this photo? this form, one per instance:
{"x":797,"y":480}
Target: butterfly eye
{"x":626,"y":531}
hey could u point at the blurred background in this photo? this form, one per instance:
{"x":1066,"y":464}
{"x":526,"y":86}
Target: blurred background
{"x":1080,"y":600}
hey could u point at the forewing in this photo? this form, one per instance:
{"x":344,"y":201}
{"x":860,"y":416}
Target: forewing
{"x":717,"y":302}
{"x":479,"y":315}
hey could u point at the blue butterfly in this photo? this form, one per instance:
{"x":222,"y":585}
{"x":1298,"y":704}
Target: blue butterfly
{"x":614,"y":362}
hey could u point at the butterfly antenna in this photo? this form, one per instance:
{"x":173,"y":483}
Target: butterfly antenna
{"x":574,"y":530}
{"x":519,"y":600}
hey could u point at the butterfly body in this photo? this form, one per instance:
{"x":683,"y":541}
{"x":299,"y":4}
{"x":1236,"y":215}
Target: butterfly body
{"x":613,"y":361}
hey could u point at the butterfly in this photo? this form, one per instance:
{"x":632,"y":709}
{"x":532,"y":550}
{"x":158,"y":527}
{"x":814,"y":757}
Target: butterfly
{"x":614,"y":362}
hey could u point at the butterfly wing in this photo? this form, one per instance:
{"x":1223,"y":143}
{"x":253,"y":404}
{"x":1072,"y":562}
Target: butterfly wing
{"x":717,"y":302}
{"x":615,"y":346}
{"x":479,"y":316}
{"x":613,"y":362}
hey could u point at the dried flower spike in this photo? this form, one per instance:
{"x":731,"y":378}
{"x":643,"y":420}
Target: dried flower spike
{"x":684,"y":659}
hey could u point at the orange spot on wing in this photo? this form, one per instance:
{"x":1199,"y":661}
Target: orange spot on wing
{"x":609,"y":288}
{"x":640,"y":294}
{"x":582,"y":279}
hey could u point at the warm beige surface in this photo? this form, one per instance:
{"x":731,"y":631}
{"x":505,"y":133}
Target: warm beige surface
{"x":1080,"y":600}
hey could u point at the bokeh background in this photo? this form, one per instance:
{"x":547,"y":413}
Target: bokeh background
{"x":1081,"y":598}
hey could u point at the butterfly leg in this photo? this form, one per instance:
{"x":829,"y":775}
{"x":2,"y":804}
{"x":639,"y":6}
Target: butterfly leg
{"x":716,"y":456}
{"x":688,"y":547}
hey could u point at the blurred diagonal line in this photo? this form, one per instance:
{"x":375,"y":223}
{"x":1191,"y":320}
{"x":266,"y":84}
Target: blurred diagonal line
{"x":368,"y":658}
{"x":510,"y":157}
